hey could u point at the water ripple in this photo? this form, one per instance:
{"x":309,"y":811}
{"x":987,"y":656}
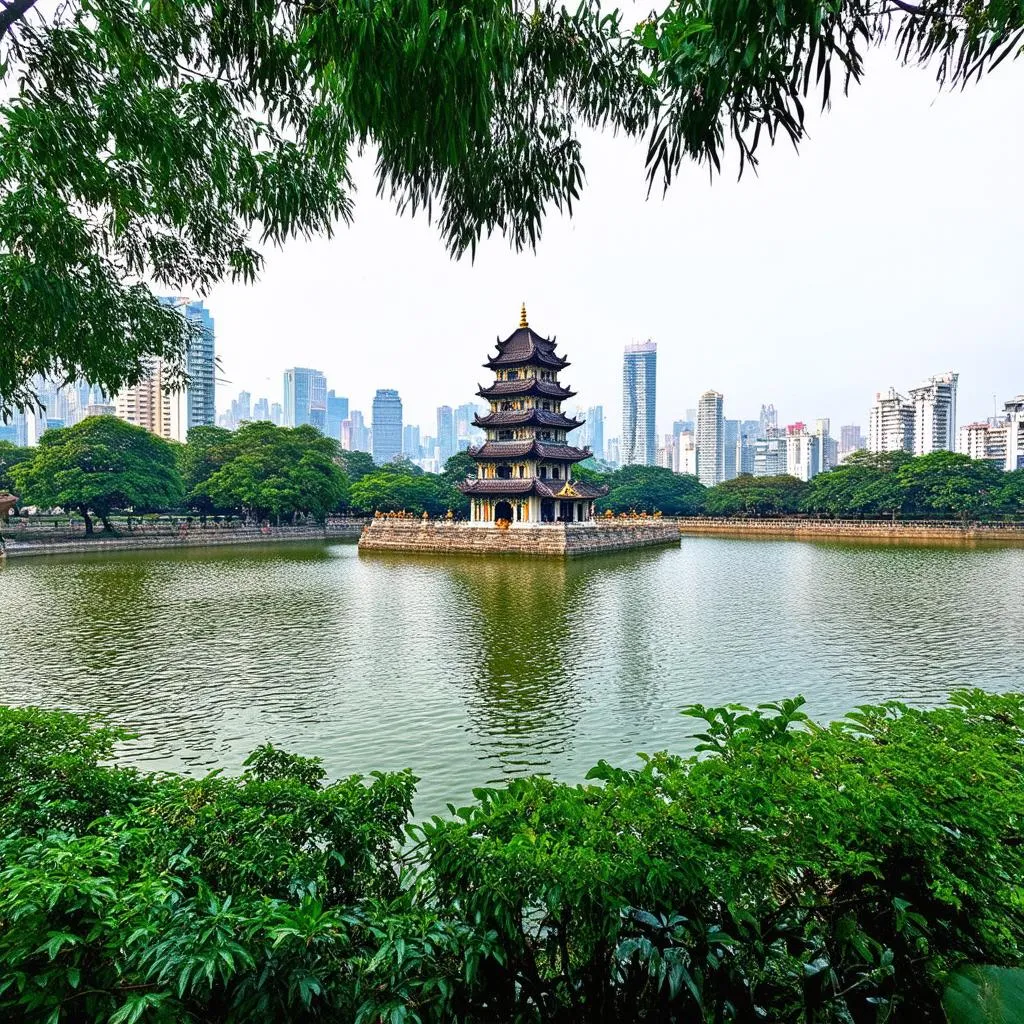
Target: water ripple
{"x":474,"y":671}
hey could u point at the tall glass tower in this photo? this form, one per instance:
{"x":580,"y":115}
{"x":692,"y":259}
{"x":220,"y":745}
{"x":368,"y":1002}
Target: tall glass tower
{"x":198,"y":404}
{"x":387,"y":426}
{"x":305,"y":398}
{"x":639,"y":380}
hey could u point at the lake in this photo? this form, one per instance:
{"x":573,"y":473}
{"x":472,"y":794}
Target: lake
{"x":471,"y":671}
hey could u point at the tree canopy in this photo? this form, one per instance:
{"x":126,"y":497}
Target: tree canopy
{"x":144,"y":145}
{"x":647,"y":489}
{"x":755,"y":495}
{"x":264,"y":471}
{"x":387,"y":491}
{"x":99,"y":466}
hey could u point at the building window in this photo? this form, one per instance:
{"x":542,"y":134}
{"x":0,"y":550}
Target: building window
{"x":547,"y":405}
{"x":504,"y":435}
{"x":520,"y":472}
{"x":504,"y":472}
{"x":543,"y":473}
{"x":513,"y":375}
{"x":554,"y":473}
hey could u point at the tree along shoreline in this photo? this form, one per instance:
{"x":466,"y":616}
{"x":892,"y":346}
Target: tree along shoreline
{"x":262,"y":473}
{"x":786,"y":871}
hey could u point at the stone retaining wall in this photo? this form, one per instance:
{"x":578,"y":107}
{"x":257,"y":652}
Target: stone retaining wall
{"x":187,"y":539}
{"x":554,"y":540}
{"x":854,"y":529}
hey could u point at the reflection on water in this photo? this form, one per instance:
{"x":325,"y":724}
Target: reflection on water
{"x":471,"y":670}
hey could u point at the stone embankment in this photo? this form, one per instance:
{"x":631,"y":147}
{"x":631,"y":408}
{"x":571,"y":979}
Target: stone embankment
{"x":185,"y":538}
{"x":552,"y":540}
{"x":855,"y":529}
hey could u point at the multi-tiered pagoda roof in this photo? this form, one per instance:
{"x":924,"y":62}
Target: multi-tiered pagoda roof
{"x":524,"y":468}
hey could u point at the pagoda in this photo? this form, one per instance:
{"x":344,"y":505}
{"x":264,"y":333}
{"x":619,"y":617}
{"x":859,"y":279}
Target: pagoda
{"x":524,"y":468}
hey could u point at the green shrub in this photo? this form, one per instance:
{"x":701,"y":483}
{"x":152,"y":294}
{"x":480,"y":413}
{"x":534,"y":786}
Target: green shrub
{"x":785,"y":872}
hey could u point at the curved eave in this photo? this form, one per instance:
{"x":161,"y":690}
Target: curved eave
{"x":501,"y":451}
{"x":527,"y":418}
{"x":523,"y":388}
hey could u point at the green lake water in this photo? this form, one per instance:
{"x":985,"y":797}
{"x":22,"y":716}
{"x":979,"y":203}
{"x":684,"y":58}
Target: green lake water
{"x":471,"y":670}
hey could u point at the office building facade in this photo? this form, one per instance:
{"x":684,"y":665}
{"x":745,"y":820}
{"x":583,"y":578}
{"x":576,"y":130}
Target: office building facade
{"x":387,"y":426}
{"x":305,"y":398}
{"x":639,"y":441}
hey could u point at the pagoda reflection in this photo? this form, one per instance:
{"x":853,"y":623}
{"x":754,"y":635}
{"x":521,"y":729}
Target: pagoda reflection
{"x":523,"y":699}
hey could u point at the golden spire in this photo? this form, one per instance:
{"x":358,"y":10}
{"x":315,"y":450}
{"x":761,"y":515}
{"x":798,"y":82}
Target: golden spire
{"x":523,"y":322}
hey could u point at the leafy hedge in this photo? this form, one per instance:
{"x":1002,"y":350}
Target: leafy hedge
{"x":786,"y":872}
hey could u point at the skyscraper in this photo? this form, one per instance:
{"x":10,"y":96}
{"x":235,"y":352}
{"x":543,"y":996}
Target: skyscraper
{"x":387,"y":426}
{"x":594,"y":428}
{"x":411,"y":442}
{"x":305,"y":398}
{"x":447,"y":438}
{"x":732,"y":439}
{"x":261,"y":409}
{"x":891,"y":423}
{"x":935,"y":414}
{"x":639,"y":393}
{"x":769,"y":420}
{"x":850,"y":439}
{"x":198,"y":406}
{"x":337,"y":412}
{"x":710,"y":439}
{"x":172,"y":413}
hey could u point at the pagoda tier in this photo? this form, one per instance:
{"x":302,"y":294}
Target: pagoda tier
{"x":524,"y":468}
{"x":527,"y":418}
{"x":526,"y":348}
{"x":542,"y":488}
{"x":528,"y":388}
{"x":501,"y":451}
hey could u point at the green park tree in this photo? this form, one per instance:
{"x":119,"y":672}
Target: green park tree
{"x":458,"y":467}
{"x":10,"y":456}
{"x":267,"y":471}
{"x":948,"y":485}
{"x":145,"y":145}
{"x":356,"y":465}
{"x":386,"y":491}
{"x":649,"y":489}
{"x":99,"y":466}
{"x":753,"y":495}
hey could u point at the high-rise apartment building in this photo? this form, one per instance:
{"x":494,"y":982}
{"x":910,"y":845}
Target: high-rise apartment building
{"x":770,"y":456}
{"x":768,"y":421}
{"x":983,"y":441}
{"x":891,"y":423}
{"x":685,"y":453}
{"x":639,"y":393}
{"x":261,"y":410}
{"x":276,"y":414}
{"x":387,"y":426}
{"x":172,"y":412}
{"x":828,"y":446}
{"x":710,"y":439}
{"x":850,"y":439}
{"x":337,"y":413}
{"x":355,"y":437}
{"x":1013,"y":419}
{"x":803,"y":454}
{"x":613,"y":452}
{"x":935,"y":414}
{"x":447,"y":436}
{"x":197,"y":407}
{"x":305,"y":398}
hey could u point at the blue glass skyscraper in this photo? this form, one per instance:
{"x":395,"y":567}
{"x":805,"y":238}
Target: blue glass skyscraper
{"x":387,"y":426}
{"x":639,"y":392}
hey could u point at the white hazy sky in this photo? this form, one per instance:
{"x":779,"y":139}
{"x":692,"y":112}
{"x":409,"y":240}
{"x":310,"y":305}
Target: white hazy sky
{"x":888,"y":249}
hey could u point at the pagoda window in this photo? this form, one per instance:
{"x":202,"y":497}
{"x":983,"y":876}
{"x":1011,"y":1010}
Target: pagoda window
{"x":547,"y":405}
{"x":504,"y":472}
{"x":506,"y":406}
{"x":513,"y":375}
{"x":543,"y":472}
{"x":521,"y":473}
{"x":504,"y":435}
{"x":554,"y":473}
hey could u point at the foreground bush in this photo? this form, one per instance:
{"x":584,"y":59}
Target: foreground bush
{"x":787,"y":872}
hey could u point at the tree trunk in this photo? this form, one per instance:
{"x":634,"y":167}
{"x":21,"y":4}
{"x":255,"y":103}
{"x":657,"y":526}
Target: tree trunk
{"x":88,"y":521}
{"x":107,"y":528}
